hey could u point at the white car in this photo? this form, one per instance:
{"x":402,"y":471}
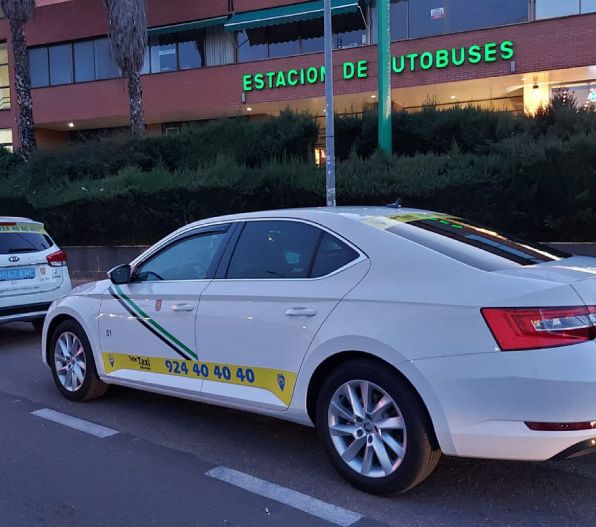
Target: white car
{"x":33,"y":271}
{"x":399,"y":333}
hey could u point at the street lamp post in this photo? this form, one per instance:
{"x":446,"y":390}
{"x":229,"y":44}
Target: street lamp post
{"x":329,"y":115}
{"x":384,"y":74}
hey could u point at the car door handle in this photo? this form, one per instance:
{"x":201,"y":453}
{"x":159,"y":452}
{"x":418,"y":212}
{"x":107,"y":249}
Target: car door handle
{"x":301,"y":312}
{"x":183,"y":307}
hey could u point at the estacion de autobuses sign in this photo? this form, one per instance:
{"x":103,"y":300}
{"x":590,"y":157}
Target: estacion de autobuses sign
{"x":427,"y":60}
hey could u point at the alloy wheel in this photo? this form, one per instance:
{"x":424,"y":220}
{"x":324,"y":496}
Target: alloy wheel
{"x":367,"y":428}
{"x":70,"y":361}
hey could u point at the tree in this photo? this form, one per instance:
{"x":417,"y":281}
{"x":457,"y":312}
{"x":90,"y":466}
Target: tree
{"x":128,"y":35}
{"x":18,"y":13}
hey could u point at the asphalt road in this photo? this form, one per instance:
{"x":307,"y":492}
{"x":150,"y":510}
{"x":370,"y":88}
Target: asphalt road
{"x":153,"y":471}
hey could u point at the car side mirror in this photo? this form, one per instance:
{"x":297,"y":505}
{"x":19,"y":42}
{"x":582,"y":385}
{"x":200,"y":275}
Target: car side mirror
{"x":120,"y":275}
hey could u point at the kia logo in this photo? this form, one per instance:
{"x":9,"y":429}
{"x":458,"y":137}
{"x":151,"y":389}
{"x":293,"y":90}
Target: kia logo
{"x":14,"y":259}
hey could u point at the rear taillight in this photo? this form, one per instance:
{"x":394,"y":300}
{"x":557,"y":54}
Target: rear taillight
{"x":57,"y":259}
{"x":529,"y":328}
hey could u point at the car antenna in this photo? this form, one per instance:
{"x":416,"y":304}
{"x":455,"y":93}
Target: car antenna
{"x":396,"y":205}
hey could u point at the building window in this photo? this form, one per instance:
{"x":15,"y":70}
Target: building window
{"x":399,"y":20}
{"x":463,"y":15}
{"x":219,"y":46}
{"x":555,"y":8}
{"x":427,"y":18}
{"x":105,"y":65}
{"x":247,"y":50}
{"x":164,"y":55}
{"x":191,"y":49}
{"x":39,"y":67}
{"x":285,"y":40}
{"x":84,"y":61}
{"x":6,"y":138}
{"x":4,"y":79}
{"x":422,"y":18}
{"x":60,"y":64}
{"x":583,"y":95}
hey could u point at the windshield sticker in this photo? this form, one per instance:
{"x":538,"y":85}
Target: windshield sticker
{"x":386,"y":222}
{"x":22,"y":227}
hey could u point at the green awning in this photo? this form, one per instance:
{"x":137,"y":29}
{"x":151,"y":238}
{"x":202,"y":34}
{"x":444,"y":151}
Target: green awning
{"x":187,"y":26}
{"x":287,"y":14}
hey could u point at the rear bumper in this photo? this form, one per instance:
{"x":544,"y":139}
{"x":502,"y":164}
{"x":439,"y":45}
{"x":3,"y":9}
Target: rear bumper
{"x":24,"y":313}
{"x":487,"y":399}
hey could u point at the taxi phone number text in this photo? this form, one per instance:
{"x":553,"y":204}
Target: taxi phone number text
{"x":202,"y":370}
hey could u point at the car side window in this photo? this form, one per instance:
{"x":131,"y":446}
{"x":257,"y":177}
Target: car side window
{"x":332,"y":255}
{"x":186,"y":259}
{"x":274,"y":249}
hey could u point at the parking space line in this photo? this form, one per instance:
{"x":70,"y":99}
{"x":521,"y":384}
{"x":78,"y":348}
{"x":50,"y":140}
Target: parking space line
{"x":297,"y":500}
{"x":76,"y":423}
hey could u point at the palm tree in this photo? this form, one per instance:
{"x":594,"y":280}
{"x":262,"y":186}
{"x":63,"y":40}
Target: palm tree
{"x":128,"y":34}
{"x":18,"y":13}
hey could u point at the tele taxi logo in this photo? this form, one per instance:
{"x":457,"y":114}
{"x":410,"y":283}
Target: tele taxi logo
{"x":439,"y":59}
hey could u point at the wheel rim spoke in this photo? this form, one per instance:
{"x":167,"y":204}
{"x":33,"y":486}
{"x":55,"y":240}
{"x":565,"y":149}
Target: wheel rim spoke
{"x":367,"y":460}
{"x":342,"y":412}
{"x":383,"y":404}
{"x":344,"y":430}
{"x":382,"y":455}
{"x":79,"y":374}
{"x":356,"y":446}
{"x":63,"y":348}
{"x":357,"y":408}
{"x":393,"y":423}
{"x":365,"y":391}
{"x":393,"y":444}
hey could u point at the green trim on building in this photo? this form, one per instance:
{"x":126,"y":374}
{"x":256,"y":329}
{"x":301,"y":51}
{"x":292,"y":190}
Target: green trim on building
{"x":187,"y":26}
{"x":287,"y":14}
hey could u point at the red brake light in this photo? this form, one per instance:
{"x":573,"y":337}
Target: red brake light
{"x":540,"y":327}
{"x":7,"y":224}
{"x":57,"y":259}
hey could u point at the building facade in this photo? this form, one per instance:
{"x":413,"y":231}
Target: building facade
{"x":222,"y":58}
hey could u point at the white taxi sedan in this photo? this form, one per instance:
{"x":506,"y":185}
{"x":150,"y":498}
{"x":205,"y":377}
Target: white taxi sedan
{"x":398,"y":333}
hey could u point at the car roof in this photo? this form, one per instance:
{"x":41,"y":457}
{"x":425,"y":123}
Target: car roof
{"x":17,"y":219}
{"x":354,"y":213}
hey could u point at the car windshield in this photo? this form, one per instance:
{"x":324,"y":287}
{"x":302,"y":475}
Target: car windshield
{"x":23,"y":238}
{"x":439,"y":231}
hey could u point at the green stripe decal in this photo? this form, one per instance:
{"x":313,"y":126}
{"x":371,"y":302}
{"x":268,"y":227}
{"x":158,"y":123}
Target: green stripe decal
{"x":149,"y":320}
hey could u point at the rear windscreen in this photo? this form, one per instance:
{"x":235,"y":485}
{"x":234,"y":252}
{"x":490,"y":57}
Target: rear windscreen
{"x":436,"y":231}
{"x":23,"y":238}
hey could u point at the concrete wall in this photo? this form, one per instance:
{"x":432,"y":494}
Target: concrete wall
{"x":87,"y":264}
{"x":92,"y":263}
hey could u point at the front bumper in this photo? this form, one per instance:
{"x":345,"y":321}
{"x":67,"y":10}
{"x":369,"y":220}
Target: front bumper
{"x":487,"y":398}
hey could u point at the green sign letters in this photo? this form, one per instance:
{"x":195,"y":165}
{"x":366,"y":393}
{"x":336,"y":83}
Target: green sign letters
{"x":438,"y":59}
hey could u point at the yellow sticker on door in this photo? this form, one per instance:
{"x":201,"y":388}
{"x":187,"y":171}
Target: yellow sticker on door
{"x":279,"y":382}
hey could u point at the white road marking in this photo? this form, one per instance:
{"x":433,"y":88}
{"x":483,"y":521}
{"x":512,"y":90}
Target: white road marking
{"x":76,"y":423}
{"x":314,"y":507}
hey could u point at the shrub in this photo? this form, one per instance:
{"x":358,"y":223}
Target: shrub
{"x":534,"y":177}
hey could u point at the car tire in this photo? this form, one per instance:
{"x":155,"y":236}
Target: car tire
{"x":74,"y":370}
{"x":352,"y":440}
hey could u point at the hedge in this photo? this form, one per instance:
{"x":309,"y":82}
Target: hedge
{"x":533,"y":177}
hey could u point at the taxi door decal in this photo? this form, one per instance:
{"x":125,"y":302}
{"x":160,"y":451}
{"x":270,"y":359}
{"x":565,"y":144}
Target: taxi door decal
{"x":148,"y":323}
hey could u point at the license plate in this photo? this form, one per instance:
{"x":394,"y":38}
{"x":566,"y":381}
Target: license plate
{"x":9,"y":275}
